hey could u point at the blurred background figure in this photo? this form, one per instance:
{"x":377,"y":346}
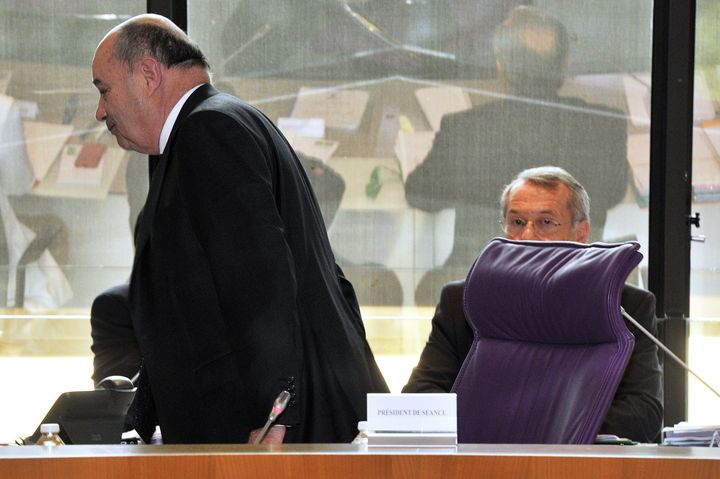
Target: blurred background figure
{"x":530,"y":125}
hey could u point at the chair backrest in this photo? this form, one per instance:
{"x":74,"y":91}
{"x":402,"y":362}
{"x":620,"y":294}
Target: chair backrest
{"x":550,"y":345}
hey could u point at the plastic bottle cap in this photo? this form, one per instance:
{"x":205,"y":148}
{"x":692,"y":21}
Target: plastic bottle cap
{"x":362,"y":426}
{"x":50,"y":428}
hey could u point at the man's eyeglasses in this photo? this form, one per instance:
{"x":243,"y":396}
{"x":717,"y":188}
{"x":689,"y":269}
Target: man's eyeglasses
{"x":515,"y":226}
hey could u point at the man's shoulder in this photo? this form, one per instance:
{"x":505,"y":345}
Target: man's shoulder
{"x":640,"y":304}
{"x":216,"y":107}
{"x":473,"y":114}
{"x":451,"y":304}
{"x":216,"y":100}
{"x":453,"y":289}
{"x":569,"y":106}
{"x":634,"y":294}
{"x":110,"y":306}
{"x":596,"y":110}
{"x":112,"y":299}
{"x":522,"y":107}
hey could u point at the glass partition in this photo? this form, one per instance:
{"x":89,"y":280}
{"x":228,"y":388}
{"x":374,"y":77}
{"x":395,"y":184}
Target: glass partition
{"x":65,"y":232}
{"x":704,"y":338}
{"x":409,"y":134}
{"x":401,"y":119}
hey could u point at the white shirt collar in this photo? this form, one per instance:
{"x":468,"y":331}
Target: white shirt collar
{"x":170,"y":120}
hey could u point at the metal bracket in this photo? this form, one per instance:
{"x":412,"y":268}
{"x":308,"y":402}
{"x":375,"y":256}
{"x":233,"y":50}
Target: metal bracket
{"x":694,"y":220}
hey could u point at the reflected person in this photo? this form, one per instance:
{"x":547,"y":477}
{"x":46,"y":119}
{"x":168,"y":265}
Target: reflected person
{"x":477,"y":149}
{"x":234,"y":294}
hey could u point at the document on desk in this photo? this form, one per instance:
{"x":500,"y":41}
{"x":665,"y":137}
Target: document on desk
{"x":411,"y":149}
{"x":44,"y":141}
{"x":706,"y":163}
{"x":81,"y":164}
{"x":689,"y":434}
{"x":74,"y":187}
{"x":437,"y":102}
{"x":637,"y":95}
{"x":307,"y":136}
{"x":342,"y":109}
{"x":307,"y":127}
{"x":318,"y":148}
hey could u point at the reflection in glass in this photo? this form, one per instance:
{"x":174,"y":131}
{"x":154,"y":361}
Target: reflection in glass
{"x":64,"y":234}
{"x":704,"y":256}
{"x":389,"y":95}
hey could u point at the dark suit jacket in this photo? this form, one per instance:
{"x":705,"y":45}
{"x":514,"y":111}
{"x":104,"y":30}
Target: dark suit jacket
{"x":235,"y":293}
{"x":477,"y":151}
{"x":115,"y":351}
{"x":637,"y":409}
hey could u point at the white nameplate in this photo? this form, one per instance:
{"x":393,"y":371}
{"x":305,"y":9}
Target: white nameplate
{"x":412,"y":412}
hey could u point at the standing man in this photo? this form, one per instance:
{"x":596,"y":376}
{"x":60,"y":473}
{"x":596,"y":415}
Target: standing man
{"x":548,"y":204}
{"x":234,"y":293}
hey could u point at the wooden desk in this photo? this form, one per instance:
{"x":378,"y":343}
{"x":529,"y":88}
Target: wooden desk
{"x":333,"y":461}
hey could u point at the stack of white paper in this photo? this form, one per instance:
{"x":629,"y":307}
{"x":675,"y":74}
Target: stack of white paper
{"x":437,"y":102}
{"x":411,"y":149}
{"x":342,"y":109}
{"x":687,"y":434}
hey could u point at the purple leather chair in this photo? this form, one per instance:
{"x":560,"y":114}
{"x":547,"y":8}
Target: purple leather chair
{"x":550,"y":343}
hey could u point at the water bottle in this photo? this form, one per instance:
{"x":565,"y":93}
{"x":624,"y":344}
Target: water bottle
{"x":362,"y":436}
{"x":50,"y":435}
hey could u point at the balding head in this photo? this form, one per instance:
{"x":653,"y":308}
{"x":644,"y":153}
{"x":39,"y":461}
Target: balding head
{"x":155,"y":36}
{"x":142,"y":68}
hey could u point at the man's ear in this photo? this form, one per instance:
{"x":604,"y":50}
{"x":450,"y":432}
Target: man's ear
{"x":151,"y":72}
{"x":582,"y":231}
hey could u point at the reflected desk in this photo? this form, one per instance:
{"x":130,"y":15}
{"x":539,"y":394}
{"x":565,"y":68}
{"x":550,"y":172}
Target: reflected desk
{"x":54,"y":156}
{"x":54,"y":185}
{"x":381,"y":228}
{"x":333,"y":461}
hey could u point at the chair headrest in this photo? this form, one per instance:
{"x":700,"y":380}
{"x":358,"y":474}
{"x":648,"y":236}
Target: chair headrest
{"x":549,"y":291}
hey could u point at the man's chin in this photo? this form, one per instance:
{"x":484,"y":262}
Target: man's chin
{"x":129,"y":145}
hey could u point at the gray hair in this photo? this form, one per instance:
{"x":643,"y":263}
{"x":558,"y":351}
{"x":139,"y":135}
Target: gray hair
{"x":136,"y":39}
{"x":549,"y":177}
{"x":530,"y":64}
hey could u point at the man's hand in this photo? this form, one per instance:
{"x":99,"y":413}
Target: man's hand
{"x":275,"y":435}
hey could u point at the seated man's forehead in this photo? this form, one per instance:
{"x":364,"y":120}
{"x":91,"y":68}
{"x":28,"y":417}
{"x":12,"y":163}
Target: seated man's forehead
{"x":533,"y":211}
{"x":533,"y":199}
{"x":529,"y":192}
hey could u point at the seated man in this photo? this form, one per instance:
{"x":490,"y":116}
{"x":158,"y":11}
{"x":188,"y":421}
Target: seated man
{"x":547,"y":204}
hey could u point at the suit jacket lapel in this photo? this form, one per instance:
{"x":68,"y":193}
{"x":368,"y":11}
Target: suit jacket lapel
{"x":157,"y":172}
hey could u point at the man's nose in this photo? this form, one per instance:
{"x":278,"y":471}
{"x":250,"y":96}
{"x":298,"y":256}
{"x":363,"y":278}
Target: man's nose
{"x":529,"y":232}
{"x":100,"y":113}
